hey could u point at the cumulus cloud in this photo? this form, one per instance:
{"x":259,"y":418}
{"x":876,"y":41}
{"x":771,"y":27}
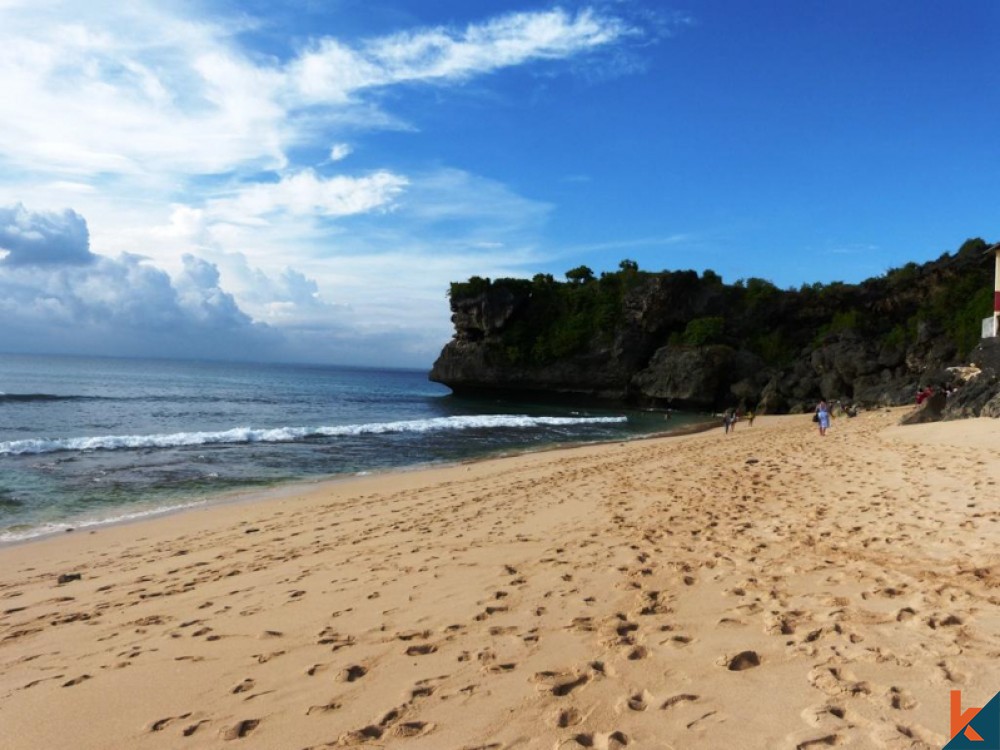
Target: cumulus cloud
{"x":41,"y":238}
{"x":113,"y":305}
{"x":205,"y":167}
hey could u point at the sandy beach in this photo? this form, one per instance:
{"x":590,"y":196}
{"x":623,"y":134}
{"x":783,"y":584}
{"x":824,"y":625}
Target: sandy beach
{"x":764,"y":589}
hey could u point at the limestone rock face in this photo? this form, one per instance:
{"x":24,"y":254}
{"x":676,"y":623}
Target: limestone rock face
{"x":987,"y":354}
{"x":976,"y":397}
{"x":929,"y":411}
{"x":483,"y":315}
{"x":694,"y":376}
{"x":475,"y":362}
{"x":682,"y":340}
{"x":699,"y":377}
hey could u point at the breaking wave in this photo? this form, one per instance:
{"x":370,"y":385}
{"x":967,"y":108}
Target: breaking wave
{"x":240,"y":435}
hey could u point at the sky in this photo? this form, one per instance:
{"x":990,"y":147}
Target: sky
{"x":301,"y":180}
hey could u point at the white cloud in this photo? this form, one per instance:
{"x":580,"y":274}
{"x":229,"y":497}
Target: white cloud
{"x":43,"y":238}
{"x":184,"y":150}
{"x":332,"y":72}
{"x":89,"y":302}
{"x":131,"y":89}
{"x":305,"y":193}
{"x":134,"y":89}
{"x":340,"y":151}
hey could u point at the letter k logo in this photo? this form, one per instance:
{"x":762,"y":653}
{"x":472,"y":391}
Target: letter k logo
{"x":960,"y":719}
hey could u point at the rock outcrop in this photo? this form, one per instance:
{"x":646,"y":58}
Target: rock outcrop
{"x":682,"y":340}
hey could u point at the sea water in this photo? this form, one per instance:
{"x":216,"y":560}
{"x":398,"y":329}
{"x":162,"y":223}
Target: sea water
{"x":88,"y":441}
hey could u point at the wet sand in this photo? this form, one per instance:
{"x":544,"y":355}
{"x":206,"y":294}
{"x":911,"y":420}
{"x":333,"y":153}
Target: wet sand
{"x":763,"y":589}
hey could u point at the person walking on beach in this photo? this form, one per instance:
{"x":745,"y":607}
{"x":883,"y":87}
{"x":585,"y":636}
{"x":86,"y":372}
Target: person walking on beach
{"x":823,"y":417}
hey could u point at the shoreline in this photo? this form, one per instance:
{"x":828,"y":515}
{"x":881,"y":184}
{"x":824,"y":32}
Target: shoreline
{"x":763,"y":589}
{"x":190,"y":503}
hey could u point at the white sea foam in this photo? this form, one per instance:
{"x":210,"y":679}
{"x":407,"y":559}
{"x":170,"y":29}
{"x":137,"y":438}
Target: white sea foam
{"x":240,"y":435}
{"x":54,"y":527}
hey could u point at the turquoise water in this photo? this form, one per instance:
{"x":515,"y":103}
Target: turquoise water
{"x":90,"y":440}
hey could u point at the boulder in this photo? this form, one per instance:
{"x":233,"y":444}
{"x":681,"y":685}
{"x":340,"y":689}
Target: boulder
{"x":975,"y":398}
{"x":929,"y":411}
{"x":692,"y":376}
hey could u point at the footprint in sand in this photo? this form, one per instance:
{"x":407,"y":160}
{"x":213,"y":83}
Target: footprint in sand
{"x":411,"y":729}
{"x":818,"y":715}
{"x":949,"y":674}
{"x":239,"y":730}
{"x":678,"y":641}
{"x":637,"y":653}
{"x":421,"y":650}
{"x":192,"y":728}
{"x":598,"y":741}
{"x":361,"y":736}
{"x":488,"y":612}
{"x":625,"y":632}
{"x":410,"y":635}
{"x":561,"y":684}
{"x":639,"y":701}
{"x":584,"y":624}
{"x":742,"y":661}
{"x":900,"y":699}
{"x":827,"y":740}
{"x":568,"y":718}
{"x":244,"y":686}
{"x":902,"y":736}
{"x":264,"y":658}
{"x":353,"y":673}
{"x":390,"y":724}
{"x":501,"y":668}
{"x":654,"y":606}
{"x":832,"y":681}
{"x":160,"y":724}
{"x":677,"y":700}
{"x":325,"y":708}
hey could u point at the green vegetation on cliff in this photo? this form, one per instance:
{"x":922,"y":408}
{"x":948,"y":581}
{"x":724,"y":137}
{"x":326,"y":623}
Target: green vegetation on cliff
{"x":554,"y":320}
{"x":561,"y":319}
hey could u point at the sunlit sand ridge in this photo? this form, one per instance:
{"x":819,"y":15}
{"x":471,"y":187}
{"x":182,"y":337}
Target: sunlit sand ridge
{"x":764,"y":589}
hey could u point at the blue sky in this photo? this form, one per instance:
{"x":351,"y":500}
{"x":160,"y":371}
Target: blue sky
{"x":301,"y":180}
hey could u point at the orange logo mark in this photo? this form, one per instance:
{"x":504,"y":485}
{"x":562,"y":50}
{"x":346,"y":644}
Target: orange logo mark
{"x":961,"y":719}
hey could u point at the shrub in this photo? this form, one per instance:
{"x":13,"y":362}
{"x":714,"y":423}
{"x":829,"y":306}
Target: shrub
{"x":702,"y":331}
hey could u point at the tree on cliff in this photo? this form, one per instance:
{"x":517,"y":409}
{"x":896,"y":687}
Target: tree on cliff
{"x":580,"y":275}
{"x":870,"y":340}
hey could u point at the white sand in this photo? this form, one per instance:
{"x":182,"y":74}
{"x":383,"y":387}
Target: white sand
{"x":766,"y":589}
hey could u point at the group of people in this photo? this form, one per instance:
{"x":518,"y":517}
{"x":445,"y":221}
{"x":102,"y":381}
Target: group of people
{"x":927,"y":391}
{"x":822,"y":416}
{"x":732,"y":416}
{"x":824,"y":413}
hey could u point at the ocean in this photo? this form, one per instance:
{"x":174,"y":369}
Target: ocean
{"x":90,"y":441}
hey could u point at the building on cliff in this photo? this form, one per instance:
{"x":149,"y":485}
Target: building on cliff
{"x":991,"y":325}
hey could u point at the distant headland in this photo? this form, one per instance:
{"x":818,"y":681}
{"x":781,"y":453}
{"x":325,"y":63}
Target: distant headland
{"x":680,"y":339}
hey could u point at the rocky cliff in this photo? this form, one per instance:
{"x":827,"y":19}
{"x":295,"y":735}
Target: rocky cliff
{"x":684,"y":340}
